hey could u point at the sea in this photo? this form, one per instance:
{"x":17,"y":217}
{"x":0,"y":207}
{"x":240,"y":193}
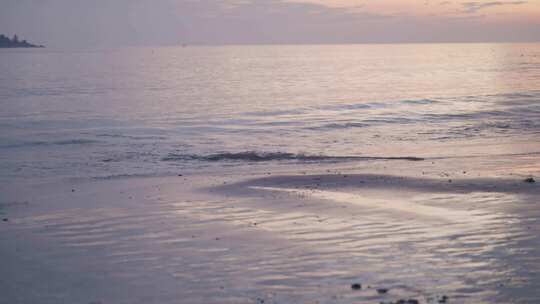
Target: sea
{"x":390,"y":173}
{"x":157,"y":111}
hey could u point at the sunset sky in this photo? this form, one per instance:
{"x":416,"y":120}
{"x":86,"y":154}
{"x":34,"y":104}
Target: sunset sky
{"x":170,"y":22}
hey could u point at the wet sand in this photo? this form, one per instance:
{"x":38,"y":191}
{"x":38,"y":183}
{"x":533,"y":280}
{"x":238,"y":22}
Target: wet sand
{"x":430,"y":231}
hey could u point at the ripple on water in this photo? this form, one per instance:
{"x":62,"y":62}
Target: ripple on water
{"x":308,"y":252}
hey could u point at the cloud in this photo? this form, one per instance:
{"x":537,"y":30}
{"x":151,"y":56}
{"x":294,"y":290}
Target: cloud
{"x":83,"y":23}
{"x":271,"y":21}
{"x":473,"y":7}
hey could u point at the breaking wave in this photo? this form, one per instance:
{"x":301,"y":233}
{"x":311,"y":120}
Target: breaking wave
{"x":254,"y":156}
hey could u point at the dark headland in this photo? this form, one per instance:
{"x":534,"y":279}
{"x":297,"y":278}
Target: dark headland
{"x":14,"y":42}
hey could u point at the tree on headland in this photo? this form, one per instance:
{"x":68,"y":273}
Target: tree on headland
{"x":5,"y":42}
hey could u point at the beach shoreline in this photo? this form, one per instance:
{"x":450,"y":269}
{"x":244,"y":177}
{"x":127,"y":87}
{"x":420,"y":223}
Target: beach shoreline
{"x":294,"y":235}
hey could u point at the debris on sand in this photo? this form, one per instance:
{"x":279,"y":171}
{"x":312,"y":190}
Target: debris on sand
{"x":409,"y":301}
{"x":403,"y":301}
{"x":356,"y":286}
{"x":529,"y":180}
{"x":443,"y":299}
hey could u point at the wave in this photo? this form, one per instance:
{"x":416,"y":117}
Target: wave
{"x":255,"y":156}
{"x":419,"y":101}
{"x":133,"y":137}
{"x":74,"y":142}
{"x":333,"y":126}
{"x":50,"y":143}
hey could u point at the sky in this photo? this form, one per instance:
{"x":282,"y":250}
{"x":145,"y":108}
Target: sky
{"x":98,"y":23}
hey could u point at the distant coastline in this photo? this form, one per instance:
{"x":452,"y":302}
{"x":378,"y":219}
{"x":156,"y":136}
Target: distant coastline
{"x":14,"y":42}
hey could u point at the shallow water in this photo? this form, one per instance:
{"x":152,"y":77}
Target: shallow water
{"x":156,"y":111}
{"x":152,"y":240}
{"x":292,"y":172}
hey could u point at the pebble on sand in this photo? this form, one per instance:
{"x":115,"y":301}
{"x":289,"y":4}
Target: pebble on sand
{"x":403,"y":301}
{"x":409,"y":301}
{"x":529,"y":180}
{"x":443,"y":299}
{"x":5,"y":219}
{"x":356,"y":286}
{"x":382,"y":290}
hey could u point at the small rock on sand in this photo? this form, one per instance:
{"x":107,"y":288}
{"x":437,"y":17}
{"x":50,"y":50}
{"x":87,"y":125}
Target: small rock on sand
{"x":529,"y":180}
{"x":356,"y":286}
{"x":409,"y":301}
{"x":382,"y":290}
{"x":443,"y":299}
{"x":5,"y":219}
{"x":403,"y":301}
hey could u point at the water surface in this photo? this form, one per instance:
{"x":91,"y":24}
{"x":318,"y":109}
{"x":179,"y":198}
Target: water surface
{"x":155,"y":111}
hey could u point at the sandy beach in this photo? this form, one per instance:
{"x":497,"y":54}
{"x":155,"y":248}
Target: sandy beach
{"x":432,"y":231}
{"x":270,"y":174}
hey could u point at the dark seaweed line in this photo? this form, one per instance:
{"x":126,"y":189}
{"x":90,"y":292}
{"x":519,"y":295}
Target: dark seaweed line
{"x":276,"y":156}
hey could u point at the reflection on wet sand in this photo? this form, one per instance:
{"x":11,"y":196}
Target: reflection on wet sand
{"x":296,"y":245}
